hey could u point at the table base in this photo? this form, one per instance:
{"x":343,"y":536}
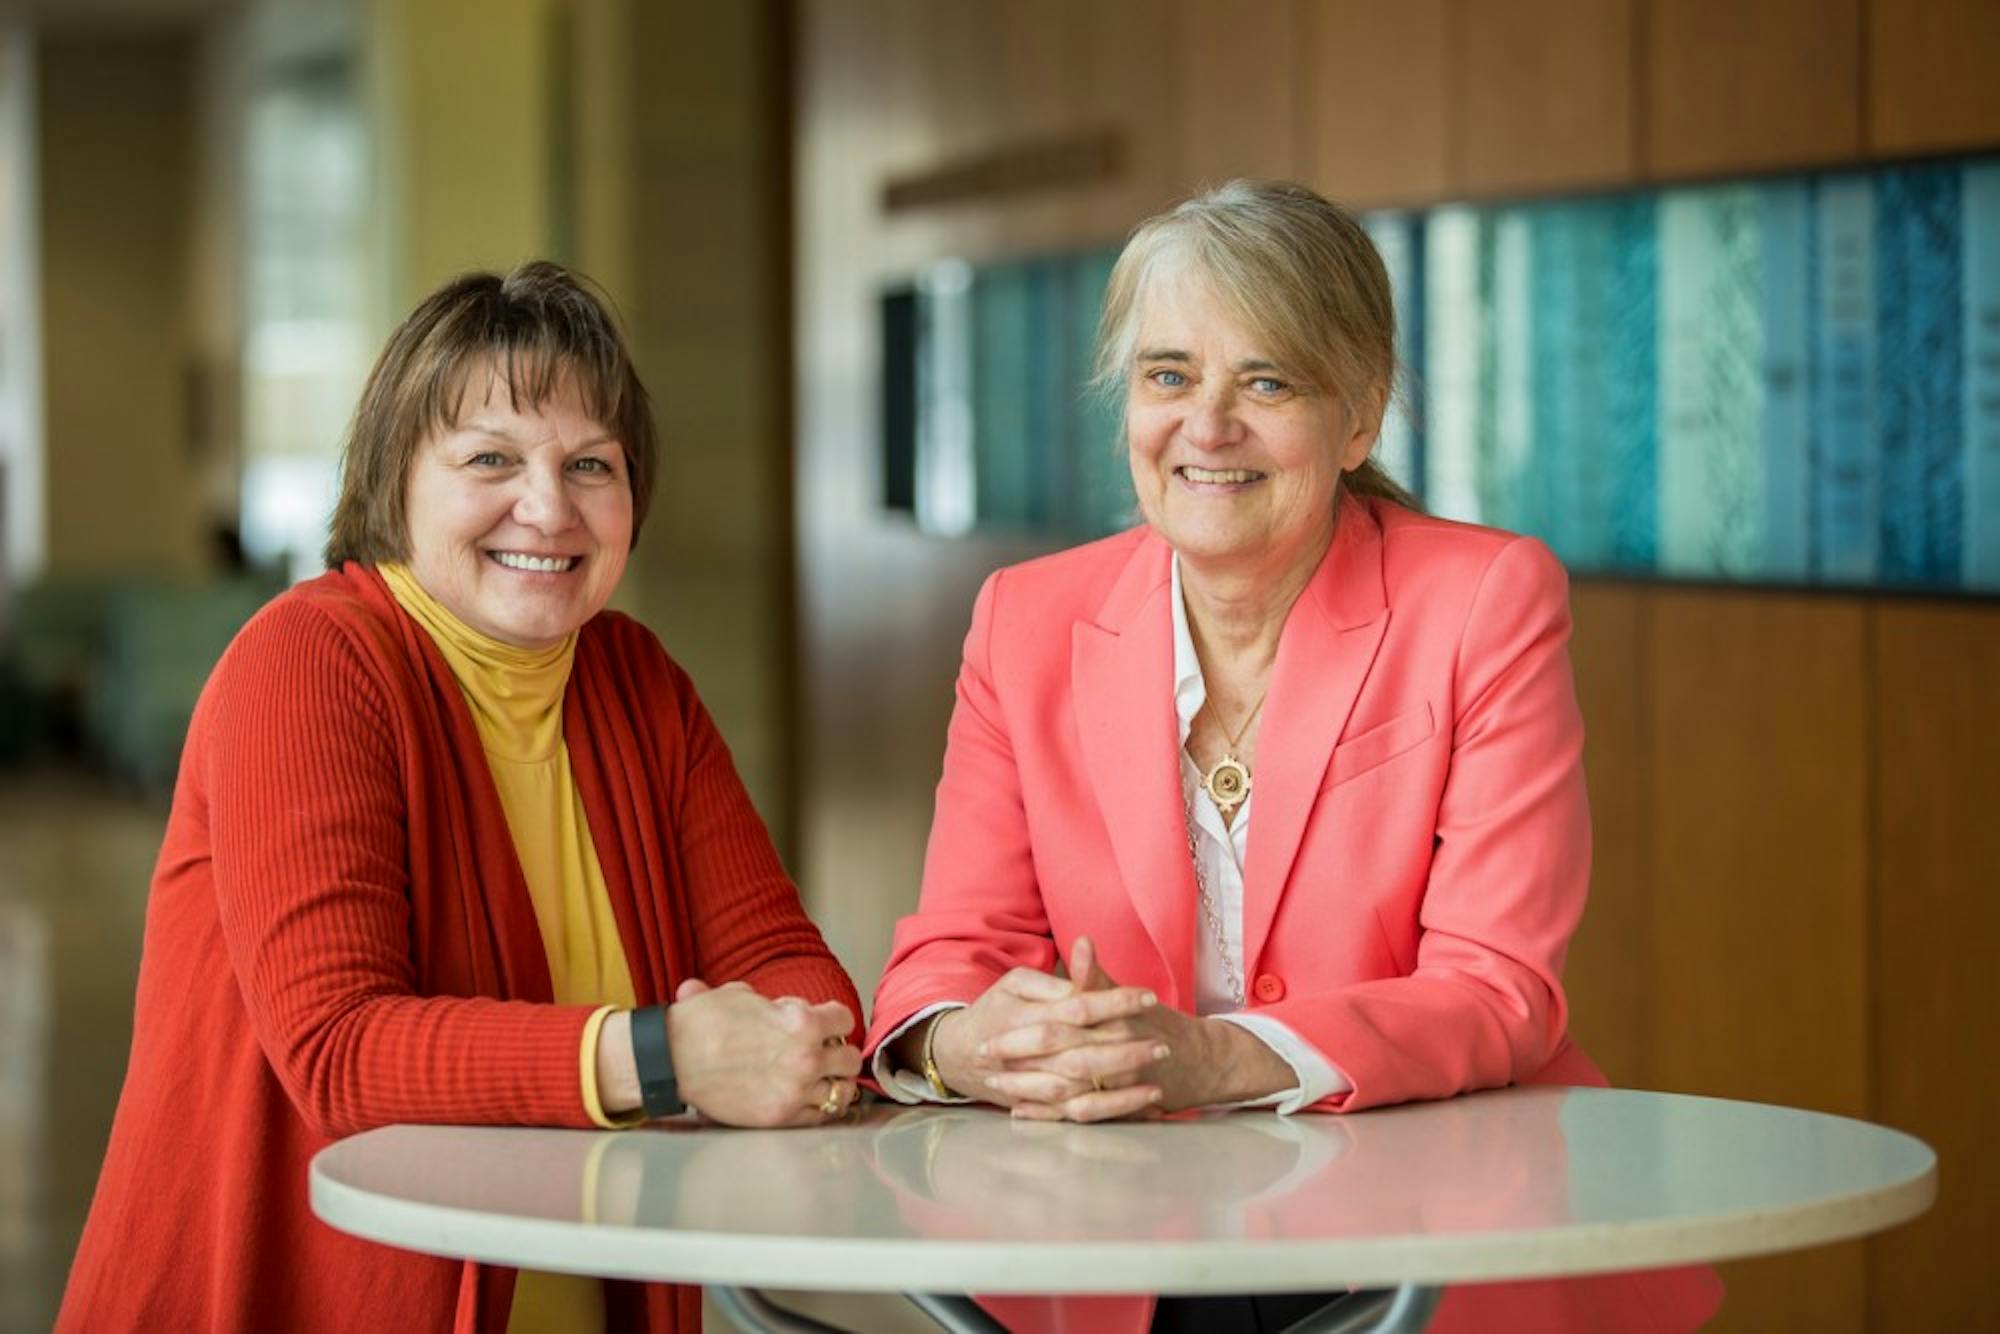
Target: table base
{"x":1404,"y":1310}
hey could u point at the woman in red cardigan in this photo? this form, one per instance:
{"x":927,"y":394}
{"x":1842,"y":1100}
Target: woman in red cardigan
{"x":451,"y":843}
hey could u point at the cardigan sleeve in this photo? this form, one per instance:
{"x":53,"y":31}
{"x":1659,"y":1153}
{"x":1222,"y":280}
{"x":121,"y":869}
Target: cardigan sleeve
{"x":1484,"y":1004}
{"x":308,"y":831}
{"x":744,"y":910}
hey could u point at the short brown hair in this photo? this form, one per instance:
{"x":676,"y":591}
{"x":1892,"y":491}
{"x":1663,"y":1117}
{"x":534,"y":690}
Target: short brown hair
{"x":542,"y":328}
{"x":1297,"y":272}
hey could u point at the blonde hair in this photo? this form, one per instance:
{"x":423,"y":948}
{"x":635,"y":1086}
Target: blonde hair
{"x":1296,"y":272}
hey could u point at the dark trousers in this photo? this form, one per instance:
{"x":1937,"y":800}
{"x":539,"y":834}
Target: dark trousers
{"x":1253,"y":1314}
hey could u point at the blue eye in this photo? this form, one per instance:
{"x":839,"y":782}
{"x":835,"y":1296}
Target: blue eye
{"x":1267,"y":384}
{"x":487,"y":458}
{"x":597,"y":466}
{"x":1167,"y":379}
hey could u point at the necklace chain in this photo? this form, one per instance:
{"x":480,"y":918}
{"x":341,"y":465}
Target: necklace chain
{"x":1227,"y":783}
{"x":1210,"y":913}
{"x":1208,"y":702}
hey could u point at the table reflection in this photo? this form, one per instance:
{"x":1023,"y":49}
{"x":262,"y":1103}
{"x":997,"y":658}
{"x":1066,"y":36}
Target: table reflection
{"x":972,"y":1173}
{"x":975,"y":1173}
{"x":1518,"y":1160}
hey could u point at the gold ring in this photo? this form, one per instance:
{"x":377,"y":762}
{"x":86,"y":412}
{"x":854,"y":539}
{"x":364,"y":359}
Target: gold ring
{"x":831,"y":1105}
{"x":1096,"y":1083}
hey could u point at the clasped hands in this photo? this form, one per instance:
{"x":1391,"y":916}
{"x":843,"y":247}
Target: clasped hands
{"x":1083,"y":1048}
{"x":741,"y":1058}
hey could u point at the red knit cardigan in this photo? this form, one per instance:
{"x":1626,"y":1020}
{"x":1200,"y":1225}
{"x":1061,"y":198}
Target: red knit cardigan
{"x":339,"y":937}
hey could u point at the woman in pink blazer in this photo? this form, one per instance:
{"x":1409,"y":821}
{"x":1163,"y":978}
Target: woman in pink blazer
{"x":1278,"y":798}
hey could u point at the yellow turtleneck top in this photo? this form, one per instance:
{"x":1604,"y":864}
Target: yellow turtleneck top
{"x":516,"y":699}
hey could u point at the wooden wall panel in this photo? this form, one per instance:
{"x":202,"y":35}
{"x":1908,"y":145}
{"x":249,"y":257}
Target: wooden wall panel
{"x":1239,"y":86}
{"x":988,"y":78}
{"x":1123,"y":79}
{"x":1932,"y":69}
{"x":1759,"y":836}
{"x":1608,"y":986}
{"x":1546,"y":95}
{"x":1760,"y":840}
{"x":1936,"y":923}
{"x":862,"y":115}
{"x":882,"y":609}
{"x":706,"y":302}
{"x":991,"y":74}
{"x":1743,"y":85}
{"x":1373,"y":97}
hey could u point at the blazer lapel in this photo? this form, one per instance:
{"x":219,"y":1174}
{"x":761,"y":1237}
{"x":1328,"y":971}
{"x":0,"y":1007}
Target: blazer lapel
{"x":1324,"y":654}
{"x":1121,"y":671}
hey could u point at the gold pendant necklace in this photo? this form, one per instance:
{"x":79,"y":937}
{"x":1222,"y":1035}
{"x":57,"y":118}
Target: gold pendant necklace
{"x":1227,"y":782}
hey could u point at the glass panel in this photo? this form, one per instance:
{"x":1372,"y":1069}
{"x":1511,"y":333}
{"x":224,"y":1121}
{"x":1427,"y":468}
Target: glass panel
{"x":306,"y":341}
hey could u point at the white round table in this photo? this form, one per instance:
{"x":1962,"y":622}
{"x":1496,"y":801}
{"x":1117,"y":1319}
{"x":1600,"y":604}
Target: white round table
{"x":1510,"y":1184}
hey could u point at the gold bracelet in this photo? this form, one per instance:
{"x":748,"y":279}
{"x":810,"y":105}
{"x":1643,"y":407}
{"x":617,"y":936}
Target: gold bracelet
{"x":930,"y":1059}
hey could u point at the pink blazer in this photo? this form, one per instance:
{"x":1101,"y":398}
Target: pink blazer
{"x":1419,"y":848}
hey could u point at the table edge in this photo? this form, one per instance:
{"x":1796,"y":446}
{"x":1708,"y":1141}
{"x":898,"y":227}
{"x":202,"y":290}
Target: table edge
{"x":1069,"y":1266}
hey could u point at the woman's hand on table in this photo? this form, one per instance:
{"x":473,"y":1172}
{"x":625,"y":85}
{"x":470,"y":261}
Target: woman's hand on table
{"x":1161,"y":1060}
{"x":1052,"y":1015}
{"x":744,"y":1060}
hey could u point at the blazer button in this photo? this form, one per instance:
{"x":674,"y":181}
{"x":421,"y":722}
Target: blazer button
{"x":1269,"y":988}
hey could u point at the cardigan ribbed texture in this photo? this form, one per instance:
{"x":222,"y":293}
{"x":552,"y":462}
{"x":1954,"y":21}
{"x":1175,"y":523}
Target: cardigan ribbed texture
{"x":339,"y":937}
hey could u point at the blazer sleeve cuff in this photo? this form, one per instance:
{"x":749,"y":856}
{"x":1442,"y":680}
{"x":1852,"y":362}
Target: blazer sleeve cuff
{"x":908,"y":1086}
{"x":1317,"y":1077}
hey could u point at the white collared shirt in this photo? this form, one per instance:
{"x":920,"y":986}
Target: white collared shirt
{"x":1221,"y":851}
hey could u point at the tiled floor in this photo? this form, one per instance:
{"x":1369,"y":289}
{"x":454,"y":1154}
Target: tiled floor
{"x":75,"y":856}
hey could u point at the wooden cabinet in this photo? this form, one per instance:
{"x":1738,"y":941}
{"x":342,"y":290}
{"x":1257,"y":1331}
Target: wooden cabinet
{"x":1373,"y":97}
{"x":1933,"y":75}
{"x":1751,"y":85}
{"x":1545,"y":94}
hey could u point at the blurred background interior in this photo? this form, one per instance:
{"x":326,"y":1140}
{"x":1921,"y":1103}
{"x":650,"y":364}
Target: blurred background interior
{"x":1706,"y":293}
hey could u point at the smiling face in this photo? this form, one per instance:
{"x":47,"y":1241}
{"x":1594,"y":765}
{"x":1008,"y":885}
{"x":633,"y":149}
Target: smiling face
{"x":1235,"y":462}
{"x":520,"y":518}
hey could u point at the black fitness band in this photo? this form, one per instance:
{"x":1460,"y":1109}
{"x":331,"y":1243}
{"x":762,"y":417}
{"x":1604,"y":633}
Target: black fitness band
{"x":658,"y":1092}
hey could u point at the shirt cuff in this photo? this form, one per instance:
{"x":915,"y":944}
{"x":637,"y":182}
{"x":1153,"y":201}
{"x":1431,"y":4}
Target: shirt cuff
{"x":909,"y":1086}
{"x":1316,"y":1075}
{"x":593,"y":1105}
